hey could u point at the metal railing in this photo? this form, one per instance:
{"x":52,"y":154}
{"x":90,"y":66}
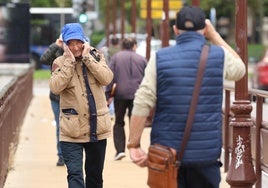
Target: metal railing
{"x":15,"y":97}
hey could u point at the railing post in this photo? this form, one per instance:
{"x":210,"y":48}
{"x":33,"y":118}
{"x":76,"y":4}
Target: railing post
{"x":114,"y":10}
{"x":134,"y":15}
{"x":259,"y":118}
{"x":226,"y":129}
{"x":122,"y":4}
{"x":148,"y":29}
{"x":165,"y":24}
{"x":241,"y":172}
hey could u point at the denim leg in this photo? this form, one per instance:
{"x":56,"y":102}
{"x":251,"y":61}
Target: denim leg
{"x":73,"y":159}
{"x":111,"y":108}
{"x":56,"y":110}
{"x":94,"y":163}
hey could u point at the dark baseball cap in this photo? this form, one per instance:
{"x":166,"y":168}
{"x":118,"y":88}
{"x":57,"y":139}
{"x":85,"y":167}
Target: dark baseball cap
{"x":193,"y":14}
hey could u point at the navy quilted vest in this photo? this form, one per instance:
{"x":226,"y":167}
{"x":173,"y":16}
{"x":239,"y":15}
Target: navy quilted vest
{"x":176,"y":73}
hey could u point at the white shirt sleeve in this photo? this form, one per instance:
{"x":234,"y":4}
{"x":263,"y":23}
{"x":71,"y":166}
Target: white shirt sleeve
{"x":145,"y":96}
{"x":234,"y":68}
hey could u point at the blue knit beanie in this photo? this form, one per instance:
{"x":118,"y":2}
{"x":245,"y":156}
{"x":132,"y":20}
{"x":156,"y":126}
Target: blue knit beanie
{"x":73,"y":31}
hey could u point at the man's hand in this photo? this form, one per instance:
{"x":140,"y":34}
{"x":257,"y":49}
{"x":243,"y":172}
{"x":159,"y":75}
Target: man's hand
{"x":110,"y":100}
{"x":59,"y":43}
{"x":86,"y":50}
{"x":210,"y":31}
{"x":67,"y":53}
{"x":138,"y":156}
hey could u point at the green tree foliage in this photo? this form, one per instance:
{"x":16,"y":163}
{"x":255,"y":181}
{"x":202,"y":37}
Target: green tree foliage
{"x":51,"y":3}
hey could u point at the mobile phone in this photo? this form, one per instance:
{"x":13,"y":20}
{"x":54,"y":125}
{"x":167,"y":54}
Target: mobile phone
{"x":94,"y":52}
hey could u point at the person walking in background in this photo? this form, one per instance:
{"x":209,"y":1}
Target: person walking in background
{"x":128,"y":68}
{"x":54,"y":50}
{"x":168,"y":85}
{"x":79,"y":76}
{"x":114,"y":47}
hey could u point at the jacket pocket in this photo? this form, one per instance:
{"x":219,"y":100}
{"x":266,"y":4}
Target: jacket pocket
{"x":104,"y":123}
{"x":69,"y":111}
{"x":69,"y":123}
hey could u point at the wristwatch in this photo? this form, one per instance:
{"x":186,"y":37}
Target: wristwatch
{"x":131,"y":145}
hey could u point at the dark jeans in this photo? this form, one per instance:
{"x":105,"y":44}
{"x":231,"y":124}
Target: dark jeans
{"x":120,"y":107}
{"x":56,"y":111}
{"x":200,"y":177}
{"x":94,"y":163}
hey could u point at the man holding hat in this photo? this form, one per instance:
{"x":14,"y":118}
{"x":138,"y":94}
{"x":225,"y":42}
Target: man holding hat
{"x":168,"y":85}
{"x":79,"y":76}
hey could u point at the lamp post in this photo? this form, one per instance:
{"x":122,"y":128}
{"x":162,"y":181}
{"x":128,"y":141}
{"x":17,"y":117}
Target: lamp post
{"x":62,"y":15}
{"x":241,"y":172}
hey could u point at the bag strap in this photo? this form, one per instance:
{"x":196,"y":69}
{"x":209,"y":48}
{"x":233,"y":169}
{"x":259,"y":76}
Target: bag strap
{"x":200,"y":73}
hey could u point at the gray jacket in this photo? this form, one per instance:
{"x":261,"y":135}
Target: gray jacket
{"x":47,"y":58}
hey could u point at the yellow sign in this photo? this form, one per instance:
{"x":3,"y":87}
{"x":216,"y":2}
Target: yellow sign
{"x":157,"y":8}
{"x":157,"y":14}
{"x":158,"y":4}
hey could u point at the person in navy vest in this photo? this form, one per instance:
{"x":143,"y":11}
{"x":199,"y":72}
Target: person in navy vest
{"x":168,"y":85}
{"x":79,"y":76}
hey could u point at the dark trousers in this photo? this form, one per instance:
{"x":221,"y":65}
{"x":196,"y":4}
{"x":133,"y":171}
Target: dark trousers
{"x":200,"y":177}
{"x":94,"y":163}
{"x":120,"y":108}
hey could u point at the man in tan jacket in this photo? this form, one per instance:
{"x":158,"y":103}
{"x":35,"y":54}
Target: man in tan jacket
{"x":79,"y":77}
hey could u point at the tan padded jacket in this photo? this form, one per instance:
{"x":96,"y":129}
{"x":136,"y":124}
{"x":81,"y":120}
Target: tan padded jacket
{"x":67,"y":81}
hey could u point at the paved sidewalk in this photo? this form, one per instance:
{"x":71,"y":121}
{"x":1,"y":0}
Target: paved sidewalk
{"x":34,"y":164}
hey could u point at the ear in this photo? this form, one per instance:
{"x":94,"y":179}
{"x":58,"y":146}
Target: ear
{"x":175,"y":29}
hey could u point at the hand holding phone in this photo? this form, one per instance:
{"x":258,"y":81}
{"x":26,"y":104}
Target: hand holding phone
{"x":86,"y":50}
{"x":92,"y":51}
{"x":95,"y":53}
{"x":68,"y":53}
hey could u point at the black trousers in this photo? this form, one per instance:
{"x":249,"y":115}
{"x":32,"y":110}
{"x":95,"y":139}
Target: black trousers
{"x":121,"y":106}
{"x":93,"y":165}
{"x":207,"y":176}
